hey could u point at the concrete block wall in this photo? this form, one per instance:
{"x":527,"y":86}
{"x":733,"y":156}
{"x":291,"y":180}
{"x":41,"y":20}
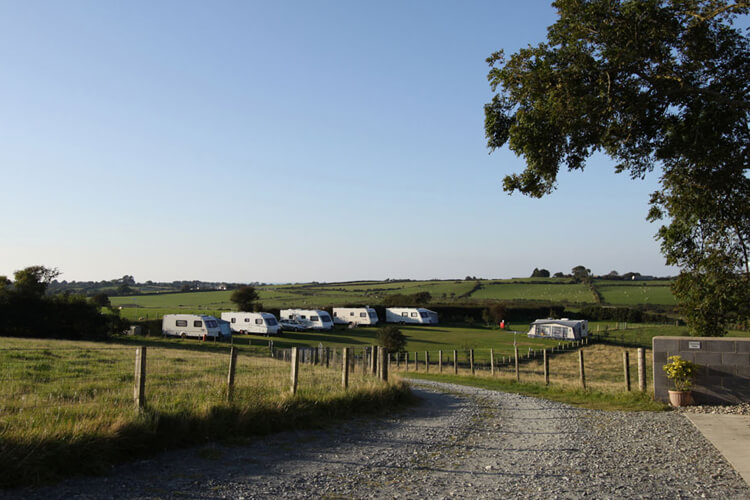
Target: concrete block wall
{"x":724,"y":373}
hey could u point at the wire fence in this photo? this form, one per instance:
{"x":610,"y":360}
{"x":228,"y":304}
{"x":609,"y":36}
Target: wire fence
{"x":69,"y":391}
{"x":572,"y":365}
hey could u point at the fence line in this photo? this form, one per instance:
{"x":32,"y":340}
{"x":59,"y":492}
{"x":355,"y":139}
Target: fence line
{"x":561,"y":364}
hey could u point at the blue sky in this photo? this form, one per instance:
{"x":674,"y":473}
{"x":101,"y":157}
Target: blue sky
{"x":284,"y":141}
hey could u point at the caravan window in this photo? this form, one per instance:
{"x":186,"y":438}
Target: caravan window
{"x":259,"y":321}
{"x":234,"y":320}
{"x":413,"y":315}
{"x":181,"y":322}
{"x":198,"y":324}
{"x":247,"y":320}
{"x":424,"y":314}
{"x":335,"y":314}
{"x":314,"y":318}
{"x":303,"y":316}
{"x":405,"y":315}
{"x":211,"y":323}
{"x":351,"y":313}
{"x":362,"y":315}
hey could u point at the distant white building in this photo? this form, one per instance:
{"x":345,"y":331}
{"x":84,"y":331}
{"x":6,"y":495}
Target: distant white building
{"x":564,"y":329}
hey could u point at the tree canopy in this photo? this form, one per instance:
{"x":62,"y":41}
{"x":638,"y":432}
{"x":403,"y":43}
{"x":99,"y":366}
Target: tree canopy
{"x":540,"y":273}
{"x":648,"y":83}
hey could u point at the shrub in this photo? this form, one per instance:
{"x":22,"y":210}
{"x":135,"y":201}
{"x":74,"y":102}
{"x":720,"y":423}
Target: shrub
{"x":391,"y":338}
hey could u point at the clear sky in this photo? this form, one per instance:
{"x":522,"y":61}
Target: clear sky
{"x":284,"y":141}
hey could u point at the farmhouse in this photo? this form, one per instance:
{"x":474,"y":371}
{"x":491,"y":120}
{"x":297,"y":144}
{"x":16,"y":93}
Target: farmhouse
{"x":560,"y":329}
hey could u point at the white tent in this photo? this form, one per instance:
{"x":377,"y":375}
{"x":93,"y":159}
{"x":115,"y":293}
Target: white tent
{"x":565,"y":329}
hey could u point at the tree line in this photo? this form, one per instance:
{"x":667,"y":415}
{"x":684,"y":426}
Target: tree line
{"x":27,"y":310}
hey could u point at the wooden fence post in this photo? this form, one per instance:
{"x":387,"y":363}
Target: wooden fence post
{"x":416,"y":361}
{"x":427,"y":361}
{"x":398,"y":360}
{"x":230,"y":377}
{"x":626,"y":369}
{"x":471,"y":360}
{"x":295,"y":367}
{"x":580,"y":368}
{"x":518,"y":371}
{"x":345,"y":367}
{"x":406,"y":360}
{"x":382,"y":365}
{"x":440,"y":361}
{"x":641,"y":369}
{"x":492,"y":362}
{"x":546,"y":367}
{"x":455,"y":363}
{"x":139,"y":391}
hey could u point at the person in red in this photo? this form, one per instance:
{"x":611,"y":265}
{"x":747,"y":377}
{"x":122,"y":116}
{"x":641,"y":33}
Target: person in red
{"x":502,"y":324}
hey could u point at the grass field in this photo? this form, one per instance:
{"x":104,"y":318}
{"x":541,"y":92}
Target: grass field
{"x":605,"y":382}
{"x":67,"y":407}
{"x":562,"y":293}
{"x":637,"y":294}
{"x":640,"y":334}
{"x":419,"y":339}
{"x":313,"y":295}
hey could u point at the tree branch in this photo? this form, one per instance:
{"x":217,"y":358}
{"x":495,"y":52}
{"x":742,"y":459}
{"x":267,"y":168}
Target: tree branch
{"x":719,"y":11}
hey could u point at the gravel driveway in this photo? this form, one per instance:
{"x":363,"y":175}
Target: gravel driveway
{"x":461,"y":442}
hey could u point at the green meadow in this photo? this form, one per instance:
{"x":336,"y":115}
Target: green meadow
{"x":419,"y":339}
{"x":637,"y":293}
{"x":563,"y":293}
{"x":446,"y":292}
{"x":67,"y":407}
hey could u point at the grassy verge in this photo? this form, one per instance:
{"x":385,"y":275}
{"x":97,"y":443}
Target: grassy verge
{"x":49,"y":459}
{"x":593,"y":399}
{"x":67,"y":407}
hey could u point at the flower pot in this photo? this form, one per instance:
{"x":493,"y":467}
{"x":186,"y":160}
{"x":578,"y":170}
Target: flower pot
{"x":681,"y":398}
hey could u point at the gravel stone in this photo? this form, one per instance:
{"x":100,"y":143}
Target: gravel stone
{"x":461,"y":442}
{"x":738,"y":409}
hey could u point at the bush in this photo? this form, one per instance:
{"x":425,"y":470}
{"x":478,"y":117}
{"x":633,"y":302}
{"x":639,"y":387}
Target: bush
{"x":391,"y":338}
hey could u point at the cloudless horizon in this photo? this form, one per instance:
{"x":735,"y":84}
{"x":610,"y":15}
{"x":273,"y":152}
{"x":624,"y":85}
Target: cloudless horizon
{"x":285,"y":142}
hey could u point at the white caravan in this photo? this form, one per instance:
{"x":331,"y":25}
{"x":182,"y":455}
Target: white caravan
{"x":411,"y":315}
{"x":311,"y":319}
{"x":190,"y":325}
{"x":355,"y":316}
{"x":250,"y":322}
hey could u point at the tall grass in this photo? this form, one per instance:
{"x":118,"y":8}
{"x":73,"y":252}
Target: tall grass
{"x":68,"y":408}
{"x":603,"y":365}
{"x":604,"y":370}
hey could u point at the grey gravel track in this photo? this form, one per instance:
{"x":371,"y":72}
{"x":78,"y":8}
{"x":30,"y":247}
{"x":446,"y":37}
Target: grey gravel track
{"x":460,"y":442}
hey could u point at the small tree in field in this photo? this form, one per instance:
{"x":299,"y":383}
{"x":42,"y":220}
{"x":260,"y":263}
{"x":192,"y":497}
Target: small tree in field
{"x":245,"y":298}
{"x":391,"y":338}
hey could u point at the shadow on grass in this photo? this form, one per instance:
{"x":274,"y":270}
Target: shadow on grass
{"x":32,"y":462}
